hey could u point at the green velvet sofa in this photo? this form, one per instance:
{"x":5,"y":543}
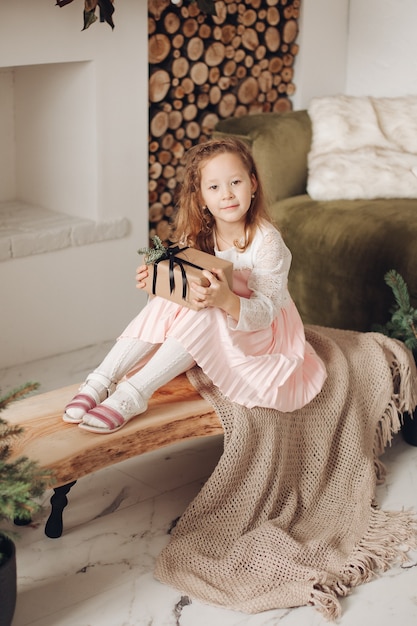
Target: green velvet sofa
{"x":341,"y":249}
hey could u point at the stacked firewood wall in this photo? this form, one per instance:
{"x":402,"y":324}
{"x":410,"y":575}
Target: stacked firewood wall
{"x":205,"y":68}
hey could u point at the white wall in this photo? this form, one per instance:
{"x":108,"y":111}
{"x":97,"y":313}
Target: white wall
{"x":60,"y":301}
{"x":382,"y":51}
{"x":320,"y":66}
{"x":8,"y":151}
{"x":356,"y":47}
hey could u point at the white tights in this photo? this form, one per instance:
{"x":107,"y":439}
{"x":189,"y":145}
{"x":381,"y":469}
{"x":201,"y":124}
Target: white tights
{"x":169,"y":360}
{"x":124,"y":356}
{"x":131,"y":396}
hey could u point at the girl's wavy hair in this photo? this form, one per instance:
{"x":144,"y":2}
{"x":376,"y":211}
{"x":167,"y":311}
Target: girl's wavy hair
{"x":194,"y":225}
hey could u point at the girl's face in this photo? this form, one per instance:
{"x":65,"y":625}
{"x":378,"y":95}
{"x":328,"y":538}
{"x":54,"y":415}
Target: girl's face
{"x":227,"y":188}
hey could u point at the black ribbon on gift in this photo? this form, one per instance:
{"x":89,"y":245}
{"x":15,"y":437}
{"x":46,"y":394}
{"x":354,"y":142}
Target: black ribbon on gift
{"x":170,"y":255}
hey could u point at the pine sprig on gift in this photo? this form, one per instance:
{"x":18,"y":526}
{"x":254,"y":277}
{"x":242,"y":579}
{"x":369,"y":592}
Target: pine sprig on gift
{"x":155,"y":253}
{"x":403,"y":322}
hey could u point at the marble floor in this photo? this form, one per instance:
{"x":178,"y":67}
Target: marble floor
{"x":100,"y":571}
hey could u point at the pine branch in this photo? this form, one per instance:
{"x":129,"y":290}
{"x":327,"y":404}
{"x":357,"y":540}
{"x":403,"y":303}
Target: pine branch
{"x":17,"y":394}
{"x":21,"y":480}
{"x":399,"y":289}
{"x":8,"y":434}
{"x":153,"y":254}
{"x":403,"y":322}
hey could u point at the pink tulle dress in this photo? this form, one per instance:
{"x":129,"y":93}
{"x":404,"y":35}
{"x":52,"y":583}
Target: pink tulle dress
{"x":264,"y":358}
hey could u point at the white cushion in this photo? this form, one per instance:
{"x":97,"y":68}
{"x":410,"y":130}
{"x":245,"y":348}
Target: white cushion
{"x":363,"y":148}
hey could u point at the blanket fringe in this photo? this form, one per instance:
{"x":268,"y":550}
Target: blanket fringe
{"x":403,"y":400}
{"x":390,"y":535}
{"x":326,"y":603}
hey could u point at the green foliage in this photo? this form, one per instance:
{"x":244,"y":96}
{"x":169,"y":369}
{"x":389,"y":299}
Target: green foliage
{"x":106,"y":9}
{"x":153,"y":254}
{"x":403,"y":322}
{"x":17,"y":394}
{"x":21,"y":480}
{"x":206,"y":6}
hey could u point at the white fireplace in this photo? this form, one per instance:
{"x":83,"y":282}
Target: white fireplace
{"x":48,"y":160}
{"x":73,"y":175}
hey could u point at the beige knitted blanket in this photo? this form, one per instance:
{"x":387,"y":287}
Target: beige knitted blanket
{"x":288,"y":517}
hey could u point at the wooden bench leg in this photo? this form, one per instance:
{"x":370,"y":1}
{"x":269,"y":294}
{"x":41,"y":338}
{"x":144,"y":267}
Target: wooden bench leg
{"x":59,"y":500}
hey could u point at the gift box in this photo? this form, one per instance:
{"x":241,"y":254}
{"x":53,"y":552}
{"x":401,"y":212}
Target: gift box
{"x":171,"y":275}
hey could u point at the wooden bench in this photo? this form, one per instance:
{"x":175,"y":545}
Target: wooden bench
{"x":176,"y":412}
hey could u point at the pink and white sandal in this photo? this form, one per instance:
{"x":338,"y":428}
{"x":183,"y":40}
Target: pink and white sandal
{"x":80,"y":401}
{"x":96,"y":389}
{"x":110,"y":416}
{"x":112,"y":420}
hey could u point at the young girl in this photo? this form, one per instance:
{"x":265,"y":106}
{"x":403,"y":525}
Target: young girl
{"x":249,"y":341}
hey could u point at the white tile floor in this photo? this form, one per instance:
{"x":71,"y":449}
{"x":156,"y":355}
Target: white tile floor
{"x":99,"y":573}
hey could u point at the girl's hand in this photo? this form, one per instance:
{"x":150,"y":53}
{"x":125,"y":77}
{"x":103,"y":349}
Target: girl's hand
{"x":218,"y":293}
{"x":142,"y":274}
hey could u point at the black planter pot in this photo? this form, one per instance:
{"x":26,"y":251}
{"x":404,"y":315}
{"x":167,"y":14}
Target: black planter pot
{"x":7,"y":581}
{"x":409,"y":428}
